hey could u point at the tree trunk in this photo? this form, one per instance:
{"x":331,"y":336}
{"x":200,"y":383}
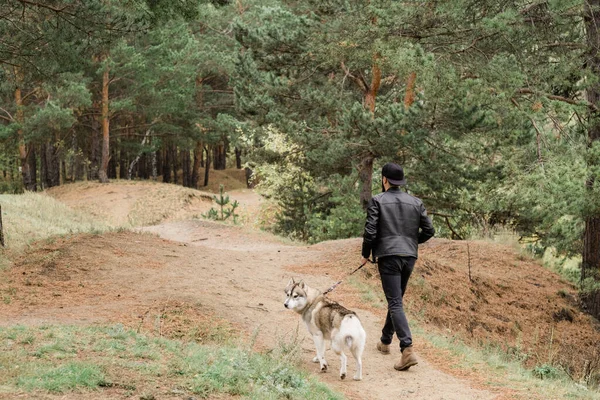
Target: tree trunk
{"x":207,"y":165}
{"x":32,"y":161}
{"x":137,"y":158}
{"x":28,"y":183}
{"x":77,"y":163}
{"x":63,"y":172}
{"x":94,"y":150}
{"x":220,"y":156}
{"x":105,"y":122}
{"x":52,"y":165}
{"x":175,"y":162}
{"x":238,"y":158}
{"x":123,"y":173}
{"x":590,"y":265}
{"x":186,"y":168}
{"x":112,"y":164}
{"x":166,"y":166}
{"x":409,"y":95}
{"x":198,"y":150}
{"x":159,"y":162}
{"x":43,"y":166}
{"x":365,"y":175}
{"x":154,"y":167}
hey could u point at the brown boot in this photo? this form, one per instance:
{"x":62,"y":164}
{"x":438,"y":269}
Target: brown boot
{"x":383,"y":348}
{"x":408,"y":360}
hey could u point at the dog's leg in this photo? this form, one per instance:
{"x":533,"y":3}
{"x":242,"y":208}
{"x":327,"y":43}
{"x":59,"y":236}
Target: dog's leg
{"x":357,"y":350}
{"x":337,"y":345}
{"x":320,"y":345}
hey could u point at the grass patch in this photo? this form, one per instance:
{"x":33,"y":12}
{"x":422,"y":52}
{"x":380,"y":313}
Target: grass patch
{"x":64,"y":378}
{"x":31,"y":216}
{"x":503,"y":369}
{"x":63,"y":359}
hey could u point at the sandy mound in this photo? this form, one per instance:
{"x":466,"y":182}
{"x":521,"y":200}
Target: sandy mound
{"x":133,"y":203}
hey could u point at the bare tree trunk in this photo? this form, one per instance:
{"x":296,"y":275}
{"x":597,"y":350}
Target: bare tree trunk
{"x":94,"y":152}
{"x":198,"y":150}
{"x":154,"y":169}
{"x":43,"y":166}
{"x":63,"y":171}
{"x":112,"y":163}
{"x":175,"y":162}
{"x":105,"y":122}
{"x":590,"y":265}
{"x":167,"y":165}
{"x":52,"y":165}
{"x":139,"y":154}
{"x":28,"y":183}
{"x":123,"y":171}
{"x":207,"y":165}
{"x":365,"y":173}
{"x":32,"y":161}
{"x":220,"y":156}
{"x":409,"y":95}
{"x":77,"y":163}
{"x":186,"y":168}
{"x":159,"y":161}
{"x":238,"y":158}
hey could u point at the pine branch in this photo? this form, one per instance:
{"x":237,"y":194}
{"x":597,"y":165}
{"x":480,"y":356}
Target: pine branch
{"x":46,"y":6}
{"x":585,"y":103}
{"x":7,"y":113}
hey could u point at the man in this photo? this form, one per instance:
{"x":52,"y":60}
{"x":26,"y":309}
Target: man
{"x":396,"y":223}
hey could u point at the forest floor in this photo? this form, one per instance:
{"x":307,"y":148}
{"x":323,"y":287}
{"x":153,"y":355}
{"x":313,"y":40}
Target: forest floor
{"x":183,"y":269}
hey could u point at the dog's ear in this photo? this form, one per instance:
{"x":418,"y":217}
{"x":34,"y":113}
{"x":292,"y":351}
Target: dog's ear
{"x":291,"y":282}
{"x":302,"y":285}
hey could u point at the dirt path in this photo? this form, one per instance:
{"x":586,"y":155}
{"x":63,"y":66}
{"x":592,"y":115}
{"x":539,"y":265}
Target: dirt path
{"x":247,"y":287}
{"x":233,"y":272}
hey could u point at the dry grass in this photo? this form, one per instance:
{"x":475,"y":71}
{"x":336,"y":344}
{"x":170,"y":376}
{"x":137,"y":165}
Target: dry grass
{"x":133,"y":203}
{"x":33,"y":216}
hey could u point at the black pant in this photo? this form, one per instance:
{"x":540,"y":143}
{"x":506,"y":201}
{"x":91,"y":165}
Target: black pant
{"x":395,"y":272}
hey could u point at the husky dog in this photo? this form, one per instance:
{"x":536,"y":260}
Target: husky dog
{"x":327,"y":320}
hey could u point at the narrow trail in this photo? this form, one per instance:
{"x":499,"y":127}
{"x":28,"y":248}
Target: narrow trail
{"x":243,"y":275}
{"x":236,"y":273}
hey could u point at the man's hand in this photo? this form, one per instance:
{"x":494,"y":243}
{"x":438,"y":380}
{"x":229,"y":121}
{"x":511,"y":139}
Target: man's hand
{"x":363,"y":261}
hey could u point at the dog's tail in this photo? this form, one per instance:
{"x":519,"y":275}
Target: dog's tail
{"x":348,"y":339}
{"x":353,"y":332}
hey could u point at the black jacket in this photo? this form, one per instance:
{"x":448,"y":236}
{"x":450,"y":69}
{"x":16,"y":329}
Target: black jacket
{"x":396,"y":223}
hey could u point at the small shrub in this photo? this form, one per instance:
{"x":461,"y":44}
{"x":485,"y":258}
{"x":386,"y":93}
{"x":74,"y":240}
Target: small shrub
{"x":223,"y":212}
{"x":546,"y":371}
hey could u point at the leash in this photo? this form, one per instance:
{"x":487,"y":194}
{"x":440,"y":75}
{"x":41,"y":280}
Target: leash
{"x":340,"y":281}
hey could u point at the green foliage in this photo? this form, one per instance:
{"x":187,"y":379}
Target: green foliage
{"x":546,"y":371}
{"x":341,"y":216}
{"x":223,"y":212}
